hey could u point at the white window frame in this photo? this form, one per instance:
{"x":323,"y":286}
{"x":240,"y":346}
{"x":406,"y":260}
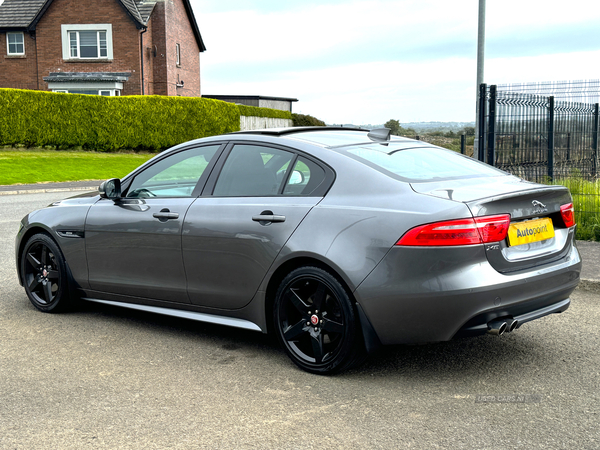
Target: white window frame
{"x":66,"y":44}
{"x":111,"y":92}
{"x":114,"y":87}
{"x":8,"y":52}
{"x":178,"y":55}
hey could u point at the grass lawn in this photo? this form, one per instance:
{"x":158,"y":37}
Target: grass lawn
{"x":38,"y":166}
{"x":586,"y":202}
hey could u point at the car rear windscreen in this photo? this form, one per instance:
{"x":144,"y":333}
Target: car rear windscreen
{"x":421,"y":164}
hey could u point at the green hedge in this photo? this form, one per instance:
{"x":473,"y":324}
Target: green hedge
{"x":39,"y":118}
{"x":255,"y":111}
{"x":304,"y":120}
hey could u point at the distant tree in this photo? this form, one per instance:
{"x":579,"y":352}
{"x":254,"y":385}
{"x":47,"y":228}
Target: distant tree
{"x":469,"y":131}
{"x":394,"y":126}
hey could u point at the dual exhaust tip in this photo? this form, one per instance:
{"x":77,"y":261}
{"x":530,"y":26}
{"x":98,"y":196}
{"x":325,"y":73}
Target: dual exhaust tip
{"x":498,"y":327}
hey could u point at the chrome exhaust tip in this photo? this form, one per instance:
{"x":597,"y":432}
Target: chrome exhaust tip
{"x":512,"y":324}
{"x":497,"y":327}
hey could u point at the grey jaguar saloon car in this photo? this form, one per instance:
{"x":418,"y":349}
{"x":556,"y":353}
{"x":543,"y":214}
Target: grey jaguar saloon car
{"x":335,"y":240}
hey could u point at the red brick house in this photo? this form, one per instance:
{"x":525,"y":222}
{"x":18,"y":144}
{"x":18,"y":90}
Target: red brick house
{"x":103,"y":47}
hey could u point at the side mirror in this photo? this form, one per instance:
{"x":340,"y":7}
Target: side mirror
{"x":110,"y":189}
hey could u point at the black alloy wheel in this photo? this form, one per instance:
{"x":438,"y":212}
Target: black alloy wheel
{"x":44,"y":274}
{"x":316,"y":323}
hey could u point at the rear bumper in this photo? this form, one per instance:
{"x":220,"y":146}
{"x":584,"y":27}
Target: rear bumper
{"x":427,"y":295}
{"x":478,"y":325}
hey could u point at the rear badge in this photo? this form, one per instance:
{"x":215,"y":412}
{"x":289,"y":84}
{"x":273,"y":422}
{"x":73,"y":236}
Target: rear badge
{"x":538,"y":207}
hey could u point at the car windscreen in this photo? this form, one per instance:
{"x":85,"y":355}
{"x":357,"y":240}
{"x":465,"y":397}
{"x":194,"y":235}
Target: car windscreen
{"x":422,"y":164}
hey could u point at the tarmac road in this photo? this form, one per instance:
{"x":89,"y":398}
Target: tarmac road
{"x":104,"y":377}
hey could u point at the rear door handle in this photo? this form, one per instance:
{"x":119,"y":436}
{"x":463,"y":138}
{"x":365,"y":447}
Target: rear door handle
{"x":165,"y":214}
{"x":268,"y":218}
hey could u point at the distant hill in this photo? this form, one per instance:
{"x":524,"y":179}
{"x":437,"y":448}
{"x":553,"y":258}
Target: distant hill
{"x":419,"y":127}
{"x":437,"y":126}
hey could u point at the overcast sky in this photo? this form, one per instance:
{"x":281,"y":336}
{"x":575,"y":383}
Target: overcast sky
{"x":411,"y":60}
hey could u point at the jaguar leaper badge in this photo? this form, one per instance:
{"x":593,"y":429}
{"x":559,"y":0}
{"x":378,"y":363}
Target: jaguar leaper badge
{"x":539,"y":207}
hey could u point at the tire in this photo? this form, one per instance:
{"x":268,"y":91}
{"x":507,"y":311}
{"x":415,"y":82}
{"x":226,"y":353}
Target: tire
{"x":315,"y":322}
{"x":44,"y":274}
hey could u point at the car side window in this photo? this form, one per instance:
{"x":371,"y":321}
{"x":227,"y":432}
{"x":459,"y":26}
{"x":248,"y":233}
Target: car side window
{"x":305,"y":178}
{"x":174,"y":176}
{"x":253,"y":171}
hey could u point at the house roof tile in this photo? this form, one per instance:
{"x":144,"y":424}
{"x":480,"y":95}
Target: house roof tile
{"x":24,"y":14}
{"x":19,"y":13}
{"x":145,"y":8}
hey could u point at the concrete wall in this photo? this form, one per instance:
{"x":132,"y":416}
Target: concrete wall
{"x":259,"y":123}
{"x":276,"y":104}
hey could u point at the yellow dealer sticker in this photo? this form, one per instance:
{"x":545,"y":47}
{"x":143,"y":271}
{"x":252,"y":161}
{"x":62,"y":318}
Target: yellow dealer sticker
{"x":530,"y":231}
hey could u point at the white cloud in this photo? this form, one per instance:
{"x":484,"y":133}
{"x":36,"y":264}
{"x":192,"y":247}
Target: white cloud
{"x":369,"y":61}
{"x":560,"y":66}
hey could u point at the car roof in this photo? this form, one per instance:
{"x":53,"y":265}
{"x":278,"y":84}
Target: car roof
{"x":337,"y":137}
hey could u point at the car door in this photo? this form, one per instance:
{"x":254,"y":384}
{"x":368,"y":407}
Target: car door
{"x":232,"y":234}
{"x":133,"y":244}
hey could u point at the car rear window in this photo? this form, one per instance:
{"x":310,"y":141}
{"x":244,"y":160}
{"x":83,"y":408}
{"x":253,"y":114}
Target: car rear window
{"x":421,"y":164}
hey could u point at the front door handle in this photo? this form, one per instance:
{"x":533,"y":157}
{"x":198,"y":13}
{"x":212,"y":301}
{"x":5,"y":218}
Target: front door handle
{"x":165,"y":215}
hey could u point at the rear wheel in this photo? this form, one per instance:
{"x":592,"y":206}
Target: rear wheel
{"x":315,"y":322}
{"x":44,"y":274}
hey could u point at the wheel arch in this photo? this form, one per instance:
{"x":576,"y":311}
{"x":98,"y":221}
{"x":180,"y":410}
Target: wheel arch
{"x":32,"y":230}
{"x":40,"y":229}
{"x":368,"y":333}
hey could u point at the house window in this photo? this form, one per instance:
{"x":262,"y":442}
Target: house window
{"x":103,"y":92}
{"x":92,"y":41}
{"x":178,"y":54}
{"x":88,"y":44}
{"x":15,"y":43}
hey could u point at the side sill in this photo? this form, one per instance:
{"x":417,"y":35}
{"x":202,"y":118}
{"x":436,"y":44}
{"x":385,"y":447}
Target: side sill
{"x":200,"y":317}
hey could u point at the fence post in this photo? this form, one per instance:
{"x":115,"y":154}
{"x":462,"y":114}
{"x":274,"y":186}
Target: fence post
{"x":551,"y":138}
{"x":463,"y":144}
{"x":482,"y":108}
{"x":491,"y":144}
{"x":595,"y":142}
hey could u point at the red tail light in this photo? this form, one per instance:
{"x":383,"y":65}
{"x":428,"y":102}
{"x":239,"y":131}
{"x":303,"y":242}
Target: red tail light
{"x":568,"y":214}
{"x":458,"y":232}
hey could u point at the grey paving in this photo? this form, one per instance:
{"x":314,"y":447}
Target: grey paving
{"x":68,"y":186}
{"x":105,"y":378}
{"x":590,"y":254}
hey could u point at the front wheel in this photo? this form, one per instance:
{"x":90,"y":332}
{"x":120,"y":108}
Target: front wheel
{"x":44,"y":274}
{"x":315,"y":322}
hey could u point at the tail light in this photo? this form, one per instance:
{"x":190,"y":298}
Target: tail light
{"x":472,"y":231}
{"x":568,"y":214}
